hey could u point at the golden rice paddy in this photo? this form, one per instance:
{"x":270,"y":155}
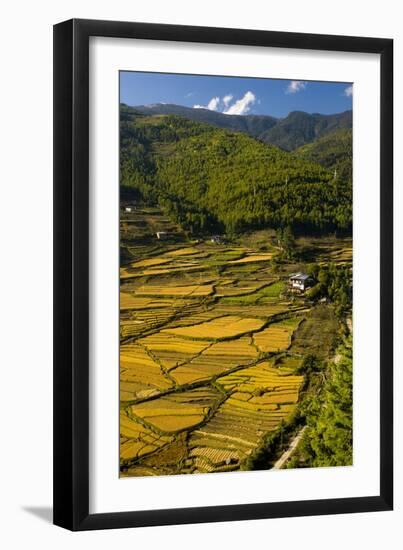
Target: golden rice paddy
{"x":240,"y":289}
{"x":253,"y":258}
{"x":188,"y":251}
{"x":275,"y":338}
{"x":216,"y":359}
{"x":133,"y":269}
{"x":223,"y":327}
{"x":130,"y":301}
{"x":172,"y":350}
{"x":189,"y":290}
{"x":140,"y":376}
{"x":138,"y":440}
{"x":150,"y":262}
{"x":260,"y":400}
{"x":172,"y":414}
{"x":197,"y":392}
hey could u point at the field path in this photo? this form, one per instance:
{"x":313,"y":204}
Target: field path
{"x":290,"y":451}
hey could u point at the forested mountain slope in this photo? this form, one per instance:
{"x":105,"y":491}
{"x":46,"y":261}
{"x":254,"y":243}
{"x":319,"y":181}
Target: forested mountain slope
{"x":300,"y":128}
{"x":288,"y":133}
{"x":333,"y":151}
{"x":254,"y":125}
{"x":212,"y":179}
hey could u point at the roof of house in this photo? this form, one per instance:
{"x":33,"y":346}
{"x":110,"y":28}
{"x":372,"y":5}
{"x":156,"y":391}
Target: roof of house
{"x":300,"y":276}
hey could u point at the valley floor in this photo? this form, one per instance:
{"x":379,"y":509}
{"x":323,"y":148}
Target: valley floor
{"x":211,"y":342}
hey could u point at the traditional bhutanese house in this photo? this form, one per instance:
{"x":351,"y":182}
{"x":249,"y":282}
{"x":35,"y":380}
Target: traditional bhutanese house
{"x":162,"y":235}
{"x":128,"y":209}
{"x":300,"y":281}
{"x":216,"y":239}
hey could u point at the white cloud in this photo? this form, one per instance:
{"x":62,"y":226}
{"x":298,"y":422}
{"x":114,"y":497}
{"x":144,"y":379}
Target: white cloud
{"x":227,"y":100}
{"x":348,"y":91}
{"x":241,"y":106}
{"x":295,"y":86}
{"x":212,"y":105}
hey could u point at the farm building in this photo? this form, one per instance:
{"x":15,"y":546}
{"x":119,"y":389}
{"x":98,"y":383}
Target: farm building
{"x":300,"y":281}
{"x":128,"y":209}
{"x":161,"y":235}
{"x":216,"y":239}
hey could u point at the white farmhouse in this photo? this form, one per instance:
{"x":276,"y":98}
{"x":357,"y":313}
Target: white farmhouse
{"x":300,"y":281}
{"x":216,"y":239}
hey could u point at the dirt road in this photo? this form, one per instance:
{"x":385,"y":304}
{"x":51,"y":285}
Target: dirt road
{"x":290,"y":451}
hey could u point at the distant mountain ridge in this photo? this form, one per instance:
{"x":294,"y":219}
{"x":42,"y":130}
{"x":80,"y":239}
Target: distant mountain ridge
{"x":295,"y":130}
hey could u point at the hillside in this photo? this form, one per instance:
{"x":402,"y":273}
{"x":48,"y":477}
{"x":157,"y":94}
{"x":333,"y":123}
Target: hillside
{"x":300,"y":128}
{"x":209,"y":179}
{"x":254,"y":125}
{"x":288,"y":133}
{"x":333,"y":151}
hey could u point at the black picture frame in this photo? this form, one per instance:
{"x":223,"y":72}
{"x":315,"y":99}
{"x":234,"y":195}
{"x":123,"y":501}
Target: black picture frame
{"x":71,"y":274}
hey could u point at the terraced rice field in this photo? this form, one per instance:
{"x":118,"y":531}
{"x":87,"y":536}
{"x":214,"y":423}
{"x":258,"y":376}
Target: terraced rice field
{"x":216,"y":359}
{"x":210,"y":347}
{"x":183,"y":251}
{"x":190,"y":290}
{"x":228,"y":326}
{"x":253,"y":258}
{"x":277,"y":337}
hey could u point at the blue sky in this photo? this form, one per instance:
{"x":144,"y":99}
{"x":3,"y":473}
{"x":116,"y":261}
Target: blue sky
{"x":235,"y":95}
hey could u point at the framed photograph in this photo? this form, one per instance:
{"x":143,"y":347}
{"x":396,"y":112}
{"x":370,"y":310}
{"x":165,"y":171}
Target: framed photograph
{"x":223,"y":320}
